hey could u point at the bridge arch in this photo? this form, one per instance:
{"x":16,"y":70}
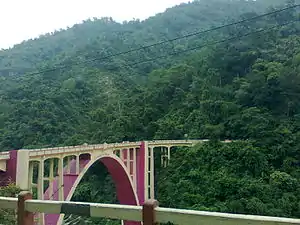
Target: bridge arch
{"x":116,"y":168}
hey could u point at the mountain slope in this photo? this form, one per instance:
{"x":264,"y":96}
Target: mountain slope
{"x":111,"y":101}
{"x":245,"y":88}
{"x":105,"y":36}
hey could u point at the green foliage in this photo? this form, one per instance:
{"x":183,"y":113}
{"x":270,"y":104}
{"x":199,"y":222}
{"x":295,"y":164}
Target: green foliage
{"x":96,"y":186}
{"x":233,"y":178}
{"x":244,"y":89}
{"x":8,"y":216}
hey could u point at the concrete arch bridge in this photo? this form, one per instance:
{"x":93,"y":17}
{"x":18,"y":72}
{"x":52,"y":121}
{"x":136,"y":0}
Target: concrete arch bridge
{"x":131,"y":165}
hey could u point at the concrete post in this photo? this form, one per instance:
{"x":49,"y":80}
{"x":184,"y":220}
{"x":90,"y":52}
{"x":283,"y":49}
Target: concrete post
{"x":77,"y":164}
{"x":24,"y":217}
{"x":149,"y":212}
{"x":151,"y":173}
{"x":61,"y":179}
{"x":51,"y":178}
{"x":22,"y":171}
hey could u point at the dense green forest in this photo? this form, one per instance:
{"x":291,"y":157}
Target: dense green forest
{"x":241,"y":82}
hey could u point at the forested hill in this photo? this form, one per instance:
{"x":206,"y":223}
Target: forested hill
{"x":101,"y":37}
{"x":116,"y":99}
{"x":240,"y":82}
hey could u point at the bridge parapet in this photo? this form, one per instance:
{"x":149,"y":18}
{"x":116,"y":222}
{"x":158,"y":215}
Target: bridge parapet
{"x":171,"y":143}
{"x":149,"y":213}
{"x":156,"y":143}
{"x":4,"y":155}
{"x":80,"y":149}
{"x":85,"y":148}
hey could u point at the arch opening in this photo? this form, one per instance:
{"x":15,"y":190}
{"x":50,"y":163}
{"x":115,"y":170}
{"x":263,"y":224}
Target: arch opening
{"x":124,"y":191}
{"x":96,"y":186}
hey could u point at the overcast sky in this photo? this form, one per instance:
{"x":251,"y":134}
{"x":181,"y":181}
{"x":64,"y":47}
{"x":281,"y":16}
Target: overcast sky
{"x":24,"y":19}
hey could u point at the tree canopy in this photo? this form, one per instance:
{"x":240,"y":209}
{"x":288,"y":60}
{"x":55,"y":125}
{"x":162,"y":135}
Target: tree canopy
{"x":241,"y":82}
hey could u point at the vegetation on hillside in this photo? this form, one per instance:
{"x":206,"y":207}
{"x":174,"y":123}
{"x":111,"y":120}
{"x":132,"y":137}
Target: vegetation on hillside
{"x":8,"y":216}
{"x":233,"y":178}
{"x":246,"y":88}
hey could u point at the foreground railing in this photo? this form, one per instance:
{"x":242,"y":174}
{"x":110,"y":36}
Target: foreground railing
{"x":149,"y":213}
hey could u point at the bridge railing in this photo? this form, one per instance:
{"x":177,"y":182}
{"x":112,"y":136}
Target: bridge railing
{"x":149,"y":213}
{"x":4,"y":155}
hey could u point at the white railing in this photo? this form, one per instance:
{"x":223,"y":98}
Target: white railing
{"x":4,"y":155}
{"x":86,"y":148}
{"x":175,"y":142}
{"x":187,"y":142}
{"x":66,"y":149}
{"x":80,"y":148}
{"x":149,"y":213}
{"x":8,"y":203}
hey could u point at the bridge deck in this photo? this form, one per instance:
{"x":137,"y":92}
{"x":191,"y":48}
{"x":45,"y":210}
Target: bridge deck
{"x":98,"y":147}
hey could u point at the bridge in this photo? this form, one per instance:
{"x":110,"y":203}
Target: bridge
{"x":131,"y":165}
{"x":59,"y":170}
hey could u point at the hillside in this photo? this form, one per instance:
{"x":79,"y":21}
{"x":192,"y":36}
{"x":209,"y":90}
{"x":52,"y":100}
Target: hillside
{"x":105,"y":36}
{"x":65,"y":106}
{"x":241,"y":82}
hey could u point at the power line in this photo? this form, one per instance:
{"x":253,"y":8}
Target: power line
{"x":56,"y":191}
{"x":166,"y":41}
{"x":213,"y":43}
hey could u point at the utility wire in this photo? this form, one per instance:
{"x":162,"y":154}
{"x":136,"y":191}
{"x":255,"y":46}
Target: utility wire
{"x":166,"y":41}
{"x":56,"y":191}
{"x":198,"y":47}
{"x":212,"y":43}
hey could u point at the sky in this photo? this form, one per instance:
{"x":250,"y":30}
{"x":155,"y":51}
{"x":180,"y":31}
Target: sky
{"x":24,"y":19}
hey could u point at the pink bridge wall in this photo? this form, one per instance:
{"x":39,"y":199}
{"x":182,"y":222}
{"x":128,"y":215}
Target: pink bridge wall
{"x":11,"y":170}
{"x":141,"y":170}
{"x":125,"y":192}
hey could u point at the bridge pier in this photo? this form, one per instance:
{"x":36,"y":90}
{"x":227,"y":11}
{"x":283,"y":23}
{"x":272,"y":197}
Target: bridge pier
{"x":165,"y":156}
{"x":60,"y":175}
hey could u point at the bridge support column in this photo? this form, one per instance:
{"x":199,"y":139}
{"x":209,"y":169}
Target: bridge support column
{"x":30,"y":176}
{"x":169,"y":154}
{"x":77,"y":164}
{"x":151,"y":185}
{"x":126,"y":158}
{"x":40,"y":188}
{"x":122,"y":156}
{"x":22,"y":171}
{"x":165,"y":156}
{"x":149,"y":173}
{"x":51,"y":178}
{"x":134,"y":169}
{"x":68,"y":164}
{"x":129,"y":158}
{"x":162,"y":156}
{"x":139,"y":164}
{"x":60,"y":179}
